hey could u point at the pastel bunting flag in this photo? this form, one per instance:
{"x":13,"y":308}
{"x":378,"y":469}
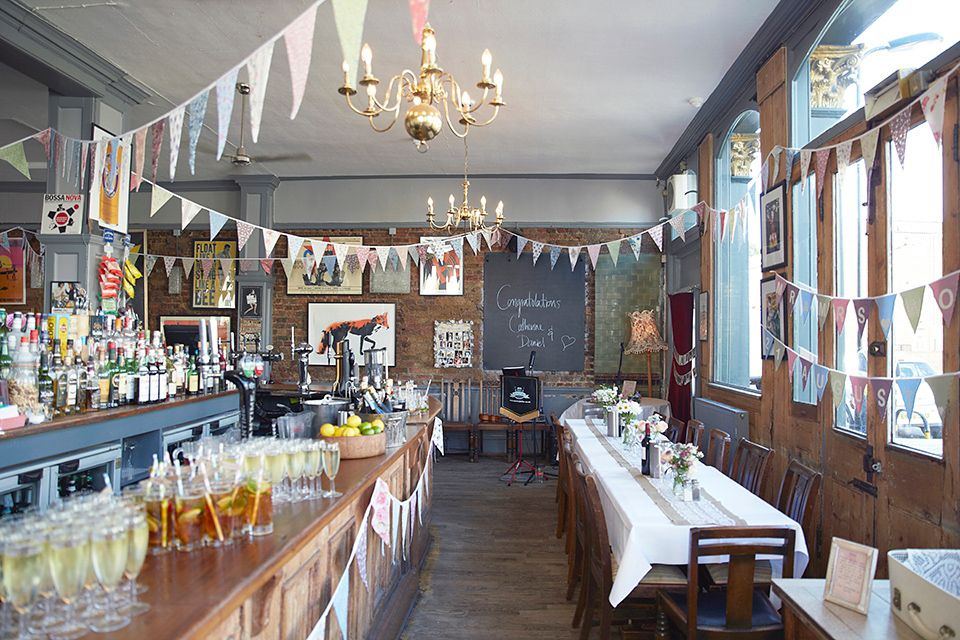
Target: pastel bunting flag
{"x":944,"y":390}
{"x":175,"y":120}
{"x":932,"y":102}
{"x":908,"y":391}
{"x":789,"y":158}
{"x":913,"y":304}
{"x":258,"y":72}
{"x":805,"y":156}
{"x":339,"y":250}
{"x":945,"y":293}
{"x":793,"y":293}
{"x":43,"y":138}
{"x":294,"y":244}
{"x":84,"y":155}
{"x":487,"y":236}
{"x":168,"y":262}
{"x":348,"y":15}
{"x":380,"y":505}
{"x":899,"y":126}
{"x":267,"y":265}
{"x":422,"y":253}
{"x":521,"y":243}
{"x":806,"y":301}
{"x":227,"y":265}
{"x":309,"y":258}
{"x":840,"y":313}
{"x":536,"y":248}
{"x":775,"y":169}
{"x":299,"y":40}
{"x":593,"y":251}
{"x":613,"y":248}
{"x":245,"y":264}
{"x":824,"y":304}
{"x":244,"y":229}
{"x":656,"y":234}
{"x":418,"y":15}
{"x":341,"y":602}
{"x":187,"y":266}
{"x":861,"y":308}
{"x":574,"y":253}
{"x":779,"y":350}
{"x":858,"y":389}
{"x":821,"y":375}
{"x":363,"y":255}
{"x":804,"y":372}
{"x":767,"y":343}
{"x":287,"y":264}
{"x":226,"y":92}
{"x":764,"y":168}
{"x":843,"y":161}
{"x":188,"y":210}
{"x":722,"y":224}
{"x":395,"y":260}
{"x":139,"y":156}
{"x":677,"y":222}
{"x":270,"y":238}
{"x":700,"y":209}
{"x":437,"y":439}
{"x":885,"y":306}
{"x":473,"y":239}
{"x":779,"y":286}
{"x":881,"y":388}
{"x":198,"y":109}
{"x":361,"y":546}
{"x":15,"y":155}
{"x":838,"y":381}
{"x":383,"y":253}
{"x":217,"y":220}
{"x":394,"y":525}
{"x":868,"y":146}
{"x":791,"y":363}
{"x":148,"y":263}
{"x":156,"y":143}
{"x":823,"y":157}
{"x":206,"y":264}
{"x":554,"y":255}
{"x":329,"y":263}
{"x":319,"y":631}
{"x":458,"y":247}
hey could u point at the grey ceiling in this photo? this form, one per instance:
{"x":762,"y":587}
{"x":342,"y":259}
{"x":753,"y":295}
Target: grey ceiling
{"x":591,"y":87}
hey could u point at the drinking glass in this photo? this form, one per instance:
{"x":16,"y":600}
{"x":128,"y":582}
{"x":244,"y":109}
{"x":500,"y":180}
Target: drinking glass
{"x":259,"y":505}
{"x":218,"y":514}
{"x":42,"y":615}
{"x":188,"y":509}
{"x":138,"y":535}
{"x":158,"y":500}
{"x":296,"y":459}
{"x":313,"y":467}
{"x":277,"y":470}
{"x":69,"y":559}
{"x":331,"y":466}
{"x":22,"y":573}
{"x":108,"y":544}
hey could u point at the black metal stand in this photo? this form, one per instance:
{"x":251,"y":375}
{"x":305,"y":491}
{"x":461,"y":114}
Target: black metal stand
{"x":522,"y":463}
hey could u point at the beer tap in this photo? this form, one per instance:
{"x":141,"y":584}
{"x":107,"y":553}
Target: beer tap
{"x":302,"y":353}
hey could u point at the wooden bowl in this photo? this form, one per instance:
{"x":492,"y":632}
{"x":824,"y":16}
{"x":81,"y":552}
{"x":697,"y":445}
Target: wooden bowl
{"x":360,"y":446}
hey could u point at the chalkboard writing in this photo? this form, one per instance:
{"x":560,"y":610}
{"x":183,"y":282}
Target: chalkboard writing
{"x":529,"y":307}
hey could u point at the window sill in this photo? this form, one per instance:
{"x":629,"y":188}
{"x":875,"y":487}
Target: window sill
{"x":726,"y":388}
{"x":920,"y":453}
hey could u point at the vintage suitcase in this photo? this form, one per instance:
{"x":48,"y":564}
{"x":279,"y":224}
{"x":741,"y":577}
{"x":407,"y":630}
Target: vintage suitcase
{"x":925,"y":590}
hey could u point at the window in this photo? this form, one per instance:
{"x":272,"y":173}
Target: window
{"x":916,"y":259}
{"x":736,"y":279}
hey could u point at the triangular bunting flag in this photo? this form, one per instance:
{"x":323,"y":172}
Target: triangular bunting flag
{"x":804,"y":373}
{"x":187,"y":266}
{"x":148,"y":264}
{"x":898,"y":128}
{"x":245,"y":264}
{"x":418,"y":14}
{"x":258,"y":72}
{"x":139,"y":155}
{"x":287,"y":264}
{"x":226,"y":264}
{"x":677,"y":222}
{"x":881,"y":388}
{"x":422,"y":252}
{"x":299,"y":40}
{"x":943,"y":392}
{"x":843,"y":160}
{"x":349,"y":15}
{"x":361,"y":546}
{"x":806,"y":301}
{"x":244,"y":229}
{"x":945,"y":293}
{"x":341,"y":602}
{"x":593,"y":251}
{"x":767,"y":343}
{"x":574,"y":253}
{"x":536,"y":248}
{"x":840,"y":313}
{"x":861,"y":308}
{"x":270,"y":238}
{"x":793,"y":292}
{"x":294,"y":243}
{"x":908,"y":391}
{"x":838,"y":381}
{"x":414,"y":254}
{"x":458,"y":247}
{"x":521,"y":243}
{"x":380,"y":504}
{"x":217,"y":220}
{"x":226,"y":91}
{"x":206,"y":264}
{"x":488,"y":237}
{"x":791,"y":363}
{"x":868,"y":146}
{"x":789,"y":157}
{"x":823,"y":156}
{"x":779,"y":350}
{"x":780,"y":287}
{"x":613,"y":248}
{"x":656,"y":234}
{"x":168,"y":262}
{"x":188,"y":211}
{"x":156,"y":142}
{"x":805,"y":156}
{"x":912,"y":304}
{"x":267,"y":264}
{"x":15,"y":155}
{"x":176,"y":129}
{"x":885,"y":312}
{"x":43,"y":138}
{"x":362,"y":256}
{"x":437,"y":440}
{"x":932,"y":102}
{"x":824,"y":303}
{"x":383,"y":253}
{"x":858,"y":388}
{"x":473,"y":239}
{"x":198,"y":109}
{"x":339,"y":250}
{"x":555,"y":252}
{"x":764,"y":168}
{"x":775,"y":171}
{"x":821,"y":375}
{"x":330,"y":262}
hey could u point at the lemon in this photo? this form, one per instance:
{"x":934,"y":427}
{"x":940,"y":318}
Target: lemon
{"x":327,"y":430}
{"x":352,"y":432}
{"x":378,"y":423}
{"x":338,"y":432}
{"x":354,"y":421}
{"x":190,"y":515}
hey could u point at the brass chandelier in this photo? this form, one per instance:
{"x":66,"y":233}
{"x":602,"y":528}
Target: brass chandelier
{"x":423,"y":121}
{"x":471,"y":217}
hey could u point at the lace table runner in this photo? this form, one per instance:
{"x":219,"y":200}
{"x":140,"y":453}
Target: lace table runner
{"x":706,"y":511}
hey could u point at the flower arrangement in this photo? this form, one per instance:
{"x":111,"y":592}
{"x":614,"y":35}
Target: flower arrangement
{"x":605,"y":396}
{"x":680,"y":459}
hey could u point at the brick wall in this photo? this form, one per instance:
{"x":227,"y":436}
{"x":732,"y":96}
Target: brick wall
{"x":416,"y":313}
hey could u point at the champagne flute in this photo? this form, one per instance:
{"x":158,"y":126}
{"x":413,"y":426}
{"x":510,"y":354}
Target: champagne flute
{"x":313,"y":466}
{"x":331,"y":466}
{"x":135,"y":521}
{"x":277,"y":470}
{"x":296,"y":459}
{"x":109,"y":545}
{"x":68,"y":558}
{"x":22,"y":574}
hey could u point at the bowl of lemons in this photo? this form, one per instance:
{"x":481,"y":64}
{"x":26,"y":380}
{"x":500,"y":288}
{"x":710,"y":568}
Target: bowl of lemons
{"x":357,"y":437}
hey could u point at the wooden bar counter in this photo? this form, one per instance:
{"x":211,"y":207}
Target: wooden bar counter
{"x":276,"y":586}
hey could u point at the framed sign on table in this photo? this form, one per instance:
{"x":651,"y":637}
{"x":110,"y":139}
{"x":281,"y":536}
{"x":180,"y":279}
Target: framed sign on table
{"x":363,"y":325}
{"x":773,"y":208}
{"x":441,"y":269}
{"x":316,"y":270}
{"x":217,"y":289}
{"x":850,"y":572}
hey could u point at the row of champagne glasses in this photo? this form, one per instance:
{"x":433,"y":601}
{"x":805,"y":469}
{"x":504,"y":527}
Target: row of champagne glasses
{"x":293,"y":466}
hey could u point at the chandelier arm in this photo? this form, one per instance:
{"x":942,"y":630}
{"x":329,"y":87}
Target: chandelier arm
{"x":496,"y":110}
{"x":396,"y":112}
{"x":384,"y":106}
{"x":446,"y":114}
{"x":355,"y":110}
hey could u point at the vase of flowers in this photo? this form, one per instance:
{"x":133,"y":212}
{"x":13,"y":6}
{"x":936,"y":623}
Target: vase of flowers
{"x":628,"y":412}
{"x":607,"y":397}
{"x":680,"y":459}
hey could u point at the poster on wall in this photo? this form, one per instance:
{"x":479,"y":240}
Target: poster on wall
{"x":62,"y":213}
{"x":773,"y":206}
{"x":249,"y":301}
{"x":67,"y":298}
{"x":364,"y":326}
{"x":12,"y":279}
{"x":772,"y":318}
{"x":317,"y":272}
{"x":110,"y":186}
{"x":217,"y":289}
{"x":441,"y":270}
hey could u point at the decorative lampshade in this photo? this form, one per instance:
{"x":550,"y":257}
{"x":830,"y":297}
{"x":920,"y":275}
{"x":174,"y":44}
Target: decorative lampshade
{"x":645,"y":336}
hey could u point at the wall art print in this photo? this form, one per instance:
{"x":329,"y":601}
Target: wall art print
{"x":452,"y":344}
{"x":364,"y":325}
{"x":316,"y":271}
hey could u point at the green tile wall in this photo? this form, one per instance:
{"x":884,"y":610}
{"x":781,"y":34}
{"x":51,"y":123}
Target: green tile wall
{"x":631,"y":285}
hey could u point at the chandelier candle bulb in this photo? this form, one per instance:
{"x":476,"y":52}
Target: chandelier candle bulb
{"x":346,"y":74}
{"x":366,"y":54}
{"x":498,"y":82}
{"x":486,"y":59}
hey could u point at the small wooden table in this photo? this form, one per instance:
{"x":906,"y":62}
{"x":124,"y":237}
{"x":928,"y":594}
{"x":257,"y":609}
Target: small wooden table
{"x":807,"y":615}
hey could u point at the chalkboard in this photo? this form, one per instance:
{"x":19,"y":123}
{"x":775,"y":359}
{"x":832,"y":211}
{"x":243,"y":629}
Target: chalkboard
{"x":529,"y":307}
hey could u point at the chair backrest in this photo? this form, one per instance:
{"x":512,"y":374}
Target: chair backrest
{"x":800,"y":484}
{"x":743,"y":545}
{"x":718,"y":451}
{"x":598,"y":543}
{"x":750,"y":465}
{"x":681,"y":429}
{"x":577,"y":479}
{"x":672,"y":432}
{"x":490,"y":397}
{"x":455,"y":396}
{"x":695,"y":433}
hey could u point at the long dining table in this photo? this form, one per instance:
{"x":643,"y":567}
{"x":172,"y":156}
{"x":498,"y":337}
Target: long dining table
{"x":648,"y":524}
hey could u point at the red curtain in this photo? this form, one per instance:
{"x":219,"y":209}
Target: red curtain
{"x":681,"y":323}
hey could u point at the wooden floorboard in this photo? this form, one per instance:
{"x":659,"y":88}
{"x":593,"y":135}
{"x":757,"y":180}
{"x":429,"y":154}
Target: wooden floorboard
{"x":496,"y":568}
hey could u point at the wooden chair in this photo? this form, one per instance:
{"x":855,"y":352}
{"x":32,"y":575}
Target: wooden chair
{"x":718,"y":451}
{"x":489,"y":418}
{"x":739,"y":611}
{"x":563,"y":495}
{"x":694,"y":432}
{"x":577,"y":537}
{"x":455,"y":413}
{"x":680,"y":428}
{"x":750,"y":465}
{"x":800,"y":483}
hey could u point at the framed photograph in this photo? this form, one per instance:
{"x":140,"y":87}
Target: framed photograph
{"x":13,"y":280}
{"x":703,"y":317}
{"x":452,"y":344}
{"x":218,"y":289}
{"x":110,"y":181}
{"x":441,"y":271}
{"x":317,"y":272}
{"x":364,"y":326}
{"x":850,"y":572}
{"x":67,"y":297}
{"x":772,"y":315}
{"x":248,"y":304}
{"x":773,"y":210}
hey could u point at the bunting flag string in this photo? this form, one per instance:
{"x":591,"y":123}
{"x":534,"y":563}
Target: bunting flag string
{"x":198,"y":109}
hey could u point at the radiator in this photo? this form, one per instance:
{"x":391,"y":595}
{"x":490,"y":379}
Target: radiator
{"x":715,"y":415}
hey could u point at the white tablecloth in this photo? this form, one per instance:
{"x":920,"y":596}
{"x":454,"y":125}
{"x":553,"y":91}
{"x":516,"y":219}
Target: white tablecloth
{"x":648,"y":406}
{"x":642,"y":534}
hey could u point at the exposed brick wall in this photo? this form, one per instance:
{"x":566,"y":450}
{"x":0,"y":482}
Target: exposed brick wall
{"x":416,"y":313}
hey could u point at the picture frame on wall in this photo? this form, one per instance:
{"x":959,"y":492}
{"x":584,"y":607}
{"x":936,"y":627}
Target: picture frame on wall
{"x":365,"y":325}
{"x":850,"y":572}
{"x":67,"y":298}
{"x":441,"y":269}
{"x":772,"y":317}
{"x":217,"y":290}
{"x":316,"y":270}
{"x":249,"y":301}
{"x":13,"y":279}
{"x":109,"y":202}
{"x":703,"y":315}
{"x":773,"y":218}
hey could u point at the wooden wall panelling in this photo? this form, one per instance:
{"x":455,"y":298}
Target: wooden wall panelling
{"x":343,"y":531}
{"x":231,"y":628}
{"x":706,"y":164}
{"x":301,"y":592}
{"x":387,"y":571}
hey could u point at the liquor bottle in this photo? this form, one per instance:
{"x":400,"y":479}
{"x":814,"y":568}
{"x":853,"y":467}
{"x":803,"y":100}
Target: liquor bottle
{"x":193,"y":378}
{"x":133,"y":370}
{"x":70,"y":373}
{"x":81,"y":369}
{"x":121,"y":377}
{"x":3,"y":325}
{"x":114,"y":400}
{"x":163,"y":384}
{"x":6,"y":362}
{"x":143,"y":380}
{"x":171,"y":374}
{"x":45,"y":382}
{"x":154,"y":376}
{"x":59,"y":375}
{"x":103,"y":378}
{"x":92,"y":390}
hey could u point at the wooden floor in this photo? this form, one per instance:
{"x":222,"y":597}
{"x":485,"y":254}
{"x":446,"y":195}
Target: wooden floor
{"x":496,"y":568}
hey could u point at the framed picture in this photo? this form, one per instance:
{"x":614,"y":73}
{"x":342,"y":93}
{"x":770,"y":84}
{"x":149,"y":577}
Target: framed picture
{"x":772,"y":317}
{"x":248,"y":304}
{"x":316,"y":270}
{"x":110,"y":181}
{"x":452,"y":344}
{"x":850,"y":572}
{"x":441,"y":270}
{"x":13,"y":281}
{"x":773,"y":209}
{"x":364,"y":326}
{"x":67,"y":298}
{"x":704,"y":315}
{"x":218,"y":289}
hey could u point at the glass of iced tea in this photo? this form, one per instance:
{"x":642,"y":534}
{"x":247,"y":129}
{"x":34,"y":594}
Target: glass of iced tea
{"x":188,"y":511}
{"x":159,"y":502}
{"x":259,"y":505}
{"x":227,"y":515}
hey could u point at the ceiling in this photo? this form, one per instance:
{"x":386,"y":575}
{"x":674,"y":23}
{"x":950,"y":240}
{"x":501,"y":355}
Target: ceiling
{"x":590,"y":87}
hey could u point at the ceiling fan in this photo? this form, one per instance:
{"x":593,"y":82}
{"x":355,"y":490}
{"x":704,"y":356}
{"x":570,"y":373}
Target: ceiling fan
{"x":243,"y":159}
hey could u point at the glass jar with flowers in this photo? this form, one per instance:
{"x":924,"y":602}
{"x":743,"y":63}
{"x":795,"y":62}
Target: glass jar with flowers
{"x":607,"y":397}
{"x":680,"y":460}
{"x":631,"y":427}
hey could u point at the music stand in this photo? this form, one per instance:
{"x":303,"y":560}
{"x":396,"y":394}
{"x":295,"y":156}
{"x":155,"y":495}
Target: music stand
{"x":520,"y":401}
